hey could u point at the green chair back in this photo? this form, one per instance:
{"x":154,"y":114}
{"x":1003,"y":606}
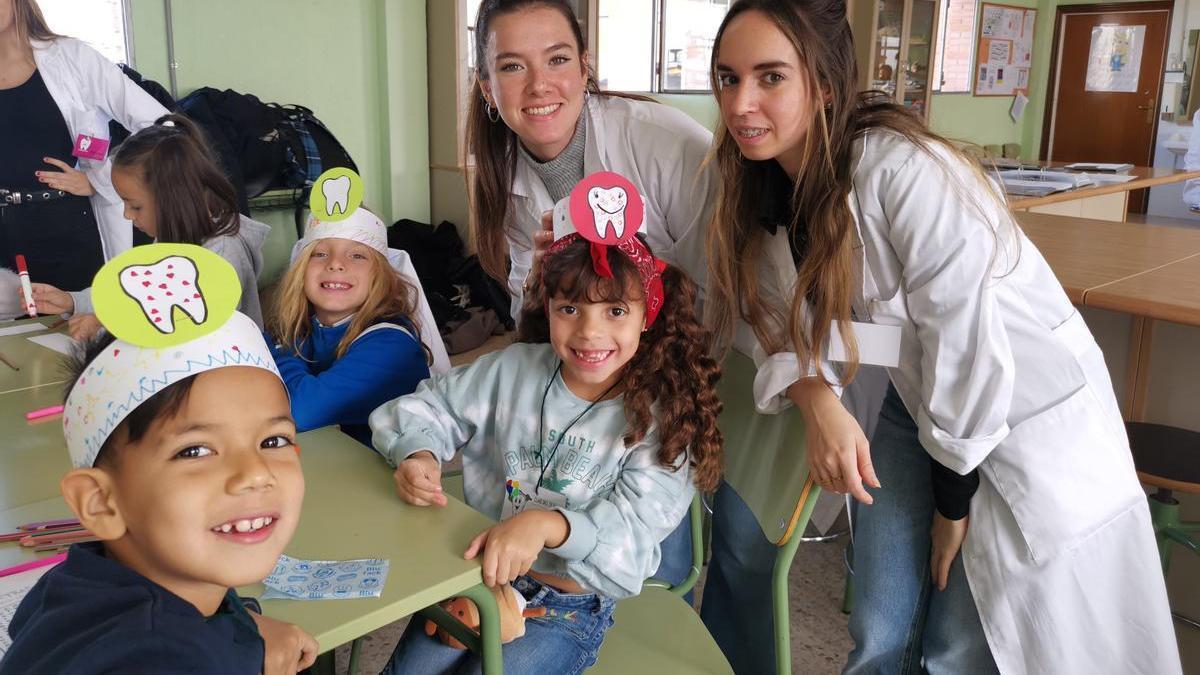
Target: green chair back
{"x":765,"y":455}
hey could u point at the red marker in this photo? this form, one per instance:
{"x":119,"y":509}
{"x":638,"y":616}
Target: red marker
{"x":23,"y":272}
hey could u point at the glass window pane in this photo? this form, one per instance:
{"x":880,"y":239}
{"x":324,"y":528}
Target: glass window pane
{"x":956,"y":46}
{"x":626,"y":49}
{"x":689,"y":28}
{"x":100,"y":23}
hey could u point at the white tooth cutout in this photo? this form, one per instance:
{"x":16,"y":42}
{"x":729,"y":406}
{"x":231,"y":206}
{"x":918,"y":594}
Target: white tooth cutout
{"x":337,"y":194}
{"x":163,"y":286}
{"x":608,"y":208}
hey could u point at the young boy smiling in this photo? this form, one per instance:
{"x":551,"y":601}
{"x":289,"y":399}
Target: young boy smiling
{"x":194,"y":490}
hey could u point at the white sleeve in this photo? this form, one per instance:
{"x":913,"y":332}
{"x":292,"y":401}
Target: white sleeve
{"x":1191,"y":162}
{"x":691,"y":190}
{"x":117,"y":96}
{"x":952,"y":261}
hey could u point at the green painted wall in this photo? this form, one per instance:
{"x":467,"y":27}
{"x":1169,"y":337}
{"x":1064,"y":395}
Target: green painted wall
{"x":363,"y":74}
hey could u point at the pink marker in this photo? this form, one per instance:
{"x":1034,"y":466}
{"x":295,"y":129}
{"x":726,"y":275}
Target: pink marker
{"x":33,"y":564}
{"x":44,"y":412}
{"x":23,"y":272}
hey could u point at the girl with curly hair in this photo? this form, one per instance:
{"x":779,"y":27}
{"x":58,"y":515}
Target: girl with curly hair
{"x":587,"y":440}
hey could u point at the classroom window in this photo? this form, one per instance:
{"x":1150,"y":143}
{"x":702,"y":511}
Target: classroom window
{"x":657,"y":45}
{"x":100,"y":23}
{"x":956,"y":47}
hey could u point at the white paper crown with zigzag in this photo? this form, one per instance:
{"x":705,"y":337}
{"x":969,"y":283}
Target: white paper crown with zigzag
{"x":173,"y":311}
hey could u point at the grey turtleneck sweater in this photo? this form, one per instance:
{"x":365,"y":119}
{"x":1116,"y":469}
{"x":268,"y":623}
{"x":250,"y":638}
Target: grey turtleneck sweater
{"x":561,"y":174}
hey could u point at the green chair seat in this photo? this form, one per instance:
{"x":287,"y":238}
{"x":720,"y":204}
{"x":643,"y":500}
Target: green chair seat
{"x":656,"y":632}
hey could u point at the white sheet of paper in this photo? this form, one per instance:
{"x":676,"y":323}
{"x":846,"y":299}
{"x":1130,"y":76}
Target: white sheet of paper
{"x":877,"y":345}
{"x":18,"y":330}
{"x":63,"y":344}
{"x":1018,"y":106}
{"x":12,"y":590}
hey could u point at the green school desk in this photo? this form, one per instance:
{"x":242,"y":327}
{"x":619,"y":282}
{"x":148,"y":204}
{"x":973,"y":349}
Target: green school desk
{"x":350,"y":511}
{"x":38,"y":365}
{"x":33,"y":455}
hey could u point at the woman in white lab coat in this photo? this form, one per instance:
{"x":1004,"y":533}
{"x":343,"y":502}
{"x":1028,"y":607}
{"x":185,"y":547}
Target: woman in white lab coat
{"x":538,"y":123}
{"x":878,"y":219}
{"x":66,"y":218}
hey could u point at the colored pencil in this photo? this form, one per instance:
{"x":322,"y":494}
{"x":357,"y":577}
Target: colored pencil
{"x":44,"y":412}
{"x":62,"y":546}
{"x":44,"y":524}
{"x":8,"y":363}
{"x":32,"y":564}
{"x":69,"y":538}
{"x":57,"y":323}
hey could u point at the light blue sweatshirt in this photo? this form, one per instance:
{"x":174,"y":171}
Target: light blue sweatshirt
{"x":620,"y":502}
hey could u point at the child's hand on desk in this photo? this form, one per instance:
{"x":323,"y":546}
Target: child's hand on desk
{"x":948,"y":536}
{"x":288,"y":649}
{"x":83,"y":326}
{"x":419,"y":480}
{"x":510,"y":548}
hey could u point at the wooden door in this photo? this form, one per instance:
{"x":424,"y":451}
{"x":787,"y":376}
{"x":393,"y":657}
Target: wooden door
{"x":1092,"y":116}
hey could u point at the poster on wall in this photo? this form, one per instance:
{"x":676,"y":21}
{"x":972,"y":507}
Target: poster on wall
{"x":1004,"y":50}
{"x":1115,"y":58}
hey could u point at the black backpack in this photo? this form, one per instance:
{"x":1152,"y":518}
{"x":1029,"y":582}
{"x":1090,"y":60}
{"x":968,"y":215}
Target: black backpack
{"x":263,"y":146}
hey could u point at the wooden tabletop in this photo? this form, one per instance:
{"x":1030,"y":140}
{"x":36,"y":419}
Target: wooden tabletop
{"x":1146,"y":176}
{"x":1086,"y":254}
{"x":1169,"y":293}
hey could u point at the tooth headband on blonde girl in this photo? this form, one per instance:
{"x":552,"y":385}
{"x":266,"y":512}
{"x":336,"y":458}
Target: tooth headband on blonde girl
{"x":606,"y":210}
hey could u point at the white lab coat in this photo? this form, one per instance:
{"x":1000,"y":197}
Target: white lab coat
{"x":1001,"y":374}
{"x":660,"y":150}
{"x":90,"y":90}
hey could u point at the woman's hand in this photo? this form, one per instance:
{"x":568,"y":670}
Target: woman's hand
{"x":68,"y":180}
{"x":948,"y":536}
{"x":838,"y":453}
{"x":541,"y":241}
{"x":419,"y":480}
{"x":83,"y":326}
{"x":288,"y":649}
{"x":510,"y":548}
{"x":49,"y":300}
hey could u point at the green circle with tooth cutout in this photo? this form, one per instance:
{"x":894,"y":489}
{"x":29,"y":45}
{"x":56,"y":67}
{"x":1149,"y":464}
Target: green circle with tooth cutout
{"x":163,"y":295}
{"x":335,"y":195}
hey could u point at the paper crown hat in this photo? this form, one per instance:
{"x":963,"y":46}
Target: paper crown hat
{"x":335,"y":211}
{"x":606,"y":210}
{"x":173,"y":311}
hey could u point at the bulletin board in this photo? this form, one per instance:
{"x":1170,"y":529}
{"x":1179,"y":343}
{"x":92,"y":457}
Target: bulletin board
{"x":1004,"y":50}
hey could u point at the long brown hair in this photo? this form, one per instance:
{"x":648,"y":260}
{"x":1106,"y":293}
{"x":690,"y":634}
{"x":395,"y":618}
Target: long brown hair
{"x":193,"y":200}
{"x":30,"y":23}
{"x":672,"y":376}
{"x":494,"y":144}
{"x":389,"y":296}
{"x":822,"y":218}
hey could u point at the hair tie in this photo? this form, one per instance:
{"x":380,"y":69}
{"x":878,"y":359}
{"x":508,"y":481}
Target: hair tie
{"x":168,"y":123}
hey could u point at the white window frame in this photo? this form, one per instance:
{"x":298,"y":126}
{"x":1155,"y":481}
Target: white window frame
{"x":657,"y":51}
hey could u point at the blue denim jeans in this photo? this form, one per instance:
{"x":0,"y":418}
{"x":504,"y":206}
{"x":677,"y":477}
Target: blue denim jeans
{"x":737,"y":592}
{"x":901,"y":623}
{"x":676,"y":562}
{"x":565,"y":640}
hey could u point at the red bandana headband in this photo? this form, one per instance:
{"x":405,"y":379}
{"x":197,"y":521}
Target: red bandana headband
{"x":606,"y":210}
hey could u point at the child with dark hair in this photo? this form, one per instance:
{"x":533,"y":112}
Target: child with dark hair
{"x":186,"y":472}
{"x":175,"y":192}
{"x":584,"y":440}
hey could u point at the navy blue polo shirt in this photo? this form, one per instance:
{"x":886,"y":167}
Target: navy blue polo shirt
{"x":91,"y":614}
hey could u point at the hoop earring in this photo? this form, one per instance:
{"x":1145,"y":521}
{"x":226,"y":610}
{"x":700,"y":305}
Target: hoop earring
{"x":492,"y":113}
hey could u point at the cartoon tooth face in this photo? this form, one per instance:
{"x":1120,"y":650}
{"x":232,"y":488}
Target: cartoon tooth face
{"x":337,"y":194}
{"x":85,"y":143}
{"x":608,"y":208}
{"x":161,"y":287}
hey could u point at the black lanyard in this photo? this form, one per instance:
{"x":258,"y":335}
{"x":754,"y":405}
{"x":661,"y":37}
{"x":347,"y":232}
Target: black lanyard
{"x":542,"y":422}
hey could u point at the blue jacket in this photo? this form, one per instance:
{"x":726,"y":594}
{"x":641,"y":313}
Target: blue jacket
{"x":91,"y":614}
{"x":383,"y":363}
